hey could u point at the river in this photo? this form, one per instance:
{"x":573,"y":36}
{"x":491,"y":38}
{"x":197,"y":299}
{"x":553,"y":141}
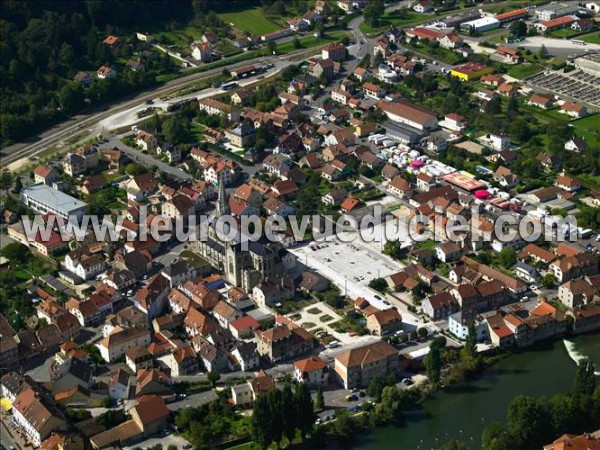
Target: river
{"x":463,"y":411}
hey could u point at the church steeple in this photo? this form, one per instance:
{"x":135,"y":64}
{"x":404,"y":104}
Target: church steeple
{"x":222,"y":203}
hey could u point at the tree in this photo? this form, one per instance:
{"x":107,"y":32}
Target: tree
{"x":16,"y":252}
{"x":585,"y":380}
{"x":296,"y":43}
{"x":518,"y":28}
{"x":543,"y":53}
{"x":393,"y":249}
{"x":288,"y":412}
{"x":277,"y":413}
{"x":548,"y":280}
{"x":374,"y":9}
{"x":378,"y":384}
{"x":262,"y":432}
{"x":433,"y":360}
{"x":526,"y":421}
{"x":494,"y":106}
{"x":134,"y":169}
{"x":272,"y":47}
{"x":213,"y":376}
{"x":176,"y":129}
{"x":6,"y":179}
{"x":422,"y":332}
{"x":507,"y":257}
{"x":320,"y":400}
{"x":471,"y":341}
{"x":378,"y":284}
{"x":18,"y":185}
{"x":305,"y":413}
{"x":344,"y":424}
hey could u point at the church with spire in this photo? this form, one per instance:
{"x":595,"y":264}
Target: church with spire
{"x":244,"y":268}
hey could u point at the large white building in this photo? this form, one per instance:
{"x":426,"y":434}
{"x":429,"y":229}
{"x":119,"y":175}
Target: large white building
{"x":481,"y":25}
{"x":405,"y":112}
{"x":45,"y":199}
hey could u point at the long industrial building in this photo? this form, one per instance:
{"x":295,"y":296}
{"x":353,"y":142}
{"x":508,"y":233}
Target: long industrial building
{"x":46,"y":199}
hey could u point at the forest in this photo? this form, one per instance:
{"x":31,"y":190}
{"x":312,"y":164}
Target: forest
{"x":44,"y":44}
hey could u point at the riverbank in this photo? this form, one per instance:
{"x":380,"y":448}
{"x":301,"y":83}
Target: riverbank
{"x":461,"y":411}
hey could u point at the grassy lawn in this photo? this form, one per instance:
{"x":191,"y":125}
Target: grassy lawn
{"x":311,"y":41}
{"x":565,"y":33}
{"x":314,"y":311}
{"x":524,"y":70}
{"x":197,"y":131}
{"x":443,"y":54}
{"x":589,"y":129}
{"x":395,"y":18}
{"x":593,"y":38}
{"x":325,"y":318}
{"x":194,"y":258}
{"x":251,"y":20}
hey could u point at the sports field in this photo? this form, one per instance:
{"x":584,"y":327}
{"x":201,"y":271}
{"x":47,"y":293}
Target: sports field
{"x":251,"y":20}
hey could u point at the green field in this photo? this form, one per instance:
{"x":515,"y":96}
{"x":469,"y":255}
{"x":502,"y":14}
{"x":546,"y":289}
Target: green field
{"x":593,"y":38}
{"x":251,"y":20}
{"x":565,"y":33}
{"x":395,"y":18}
{"x":589,"y":129}
{"x":523,"y":70}
{"x":311,"y":41}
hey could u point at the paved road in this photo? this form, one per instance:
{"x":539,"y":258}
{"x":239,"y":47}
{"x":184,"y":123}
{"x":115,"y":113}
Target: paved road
{"x":145,"y":159}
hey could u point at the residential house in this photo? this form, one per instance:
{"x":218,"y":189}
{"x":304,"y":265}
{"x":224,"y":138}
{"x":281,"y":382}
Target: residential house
{"x":113,"y":346}
{"x":384,"y":322}
{"x":246,"y":356}
{"x":356,"y":368}
{"x":576,"y":144}
{"x":399,"y":187}
{"x":574,"y":267}
{"x":44,"y":174}
{"x":448,"y":251}
{"x":543,"y":101}
{"x":201,"y":51}
{"x":313,"y":371}
{"x":579,"y":291}
{"x":335,"y":52}
{"x":574,"y":110}
{"x":283,"y":342}
{"x":567,"y":183}
{"x":273,"y":290}
{"x":37,"y":414}
{"x":440,"y":306}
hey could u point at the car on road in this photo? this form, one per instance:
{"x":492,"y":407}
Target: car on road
{"x":408,"y":381}
{"x":378,"y":297}
{"x":385,"y":302}
{"x":362,"y":394}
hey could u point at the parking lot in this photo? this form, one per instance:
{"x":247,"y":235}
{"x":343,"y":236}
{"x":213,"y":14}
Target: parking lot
{"x":577,"y":84}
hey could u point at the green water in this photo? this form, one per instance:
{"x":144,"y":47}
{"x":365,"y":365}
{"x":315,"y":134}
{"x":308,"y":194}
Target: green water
{"x":462,"y":412}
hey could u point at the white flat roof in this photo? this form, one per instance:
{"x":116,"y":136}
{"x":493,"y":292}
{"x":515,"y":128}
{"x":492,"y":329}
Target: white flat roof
{"x":481,"y":22}
{"x":53,"y":198}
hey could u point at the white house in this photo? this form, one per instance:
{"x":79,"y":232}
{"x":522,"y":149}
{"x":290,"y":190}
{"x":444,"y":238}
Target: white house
{"x":313,"y":371}
{"x":460,"y":328}
{"x":201,"y":51}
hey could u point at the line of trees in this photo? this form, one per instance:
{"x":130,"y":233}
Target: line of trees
{"x":282,"y":413}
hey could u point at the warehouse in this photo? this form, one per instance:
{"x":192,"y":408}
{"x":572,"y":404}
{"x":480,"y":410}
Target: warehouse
{"x":402,"y":133}
{"x":452,"y":21}
{"x":481,"y":25}
{"x":45,"y":199}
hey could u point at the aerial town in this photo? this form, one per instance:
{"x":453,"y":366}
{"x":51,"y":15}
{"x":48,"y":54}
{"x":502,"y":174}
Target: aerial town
{"x":435,"y":112}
